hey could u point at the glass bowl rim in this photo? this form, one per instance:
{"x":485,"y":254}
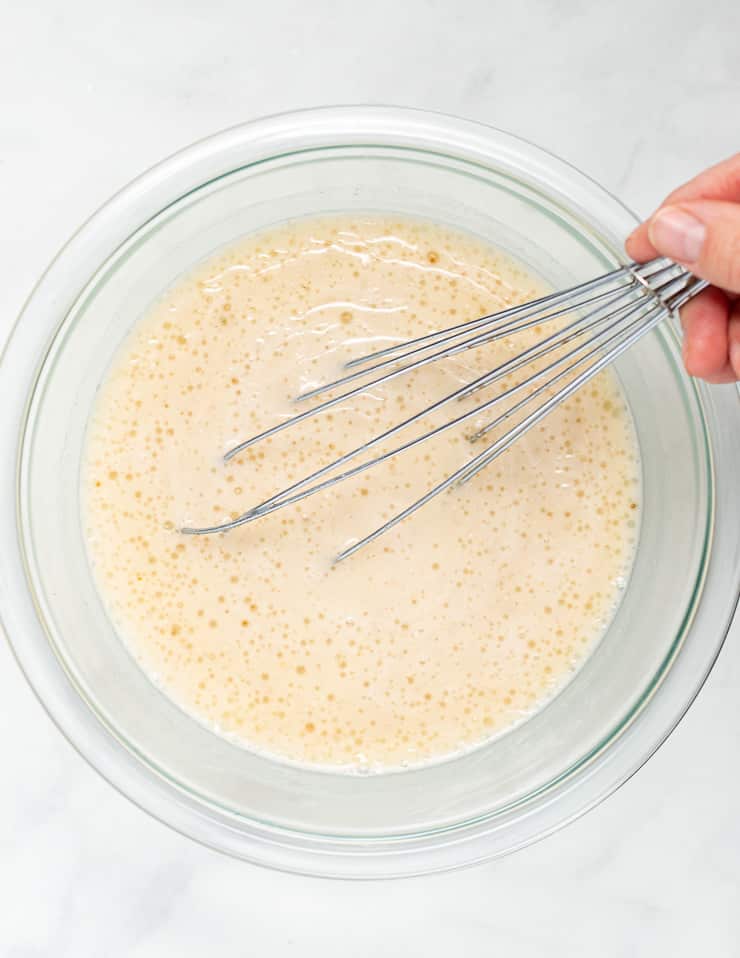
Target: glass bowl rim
{"x":43,"y":671}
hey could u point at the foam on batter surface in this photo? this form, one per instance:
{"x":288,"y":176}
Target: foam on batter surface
{"x":456,"y":624}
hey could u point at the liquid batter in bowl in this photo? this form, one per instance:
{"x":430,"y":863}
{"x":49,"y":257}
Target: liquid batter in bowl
{"x":455,"y":625}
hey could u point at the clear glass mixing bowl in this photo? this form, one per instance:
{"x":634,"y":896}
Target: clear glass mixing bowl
{"x":631,"y":692}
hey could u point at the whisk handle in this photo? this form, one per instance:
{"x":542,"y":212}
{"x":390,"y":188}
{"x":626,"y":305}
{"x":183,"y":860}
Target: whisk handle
{"x":671,"y":284}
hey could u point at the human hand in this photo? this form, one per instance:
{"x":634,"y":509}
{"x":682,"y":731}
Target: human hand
{"x":698,"y":226}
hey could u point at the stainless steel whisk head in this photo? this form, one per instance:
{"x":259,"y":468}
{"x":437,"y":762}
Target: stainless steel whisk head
{"x":596,"y":322}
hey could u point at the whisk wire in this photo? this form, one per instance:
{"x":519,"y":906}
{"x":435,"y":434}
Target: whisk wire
{"x":492,"y":452}
{"x":620,"y":308}
{"x":286,"y":498}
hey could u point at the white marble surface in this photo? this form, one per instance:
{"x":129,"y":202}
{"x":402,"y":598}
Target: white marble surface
{"x":638,"y":95}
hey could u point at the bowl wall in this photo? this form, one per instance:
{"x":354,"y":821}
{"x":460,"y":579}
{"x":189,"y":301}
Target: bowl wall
{"x":495,"y":797}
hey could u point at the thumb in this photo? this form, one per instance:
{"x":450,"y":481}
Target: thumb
{"x":703,"y":235}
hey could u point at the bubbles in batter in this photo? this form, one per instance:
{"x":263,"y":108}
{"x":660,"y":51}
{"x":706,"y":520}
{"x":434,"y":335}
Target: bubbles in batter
{"x":456,"y":624}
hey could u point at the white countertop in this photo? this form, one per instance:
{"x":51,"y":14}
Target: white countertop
{"x":636,"y":95}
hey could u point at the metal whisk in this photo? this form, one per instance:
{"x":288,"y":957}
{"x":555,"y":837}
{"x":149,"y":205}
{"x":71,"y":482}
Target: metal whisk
{"x":597,"y":321}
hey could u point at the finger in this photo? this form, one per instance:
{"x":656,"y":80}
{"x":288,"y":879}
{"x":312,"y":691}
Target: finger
{"x":729,"y":372}
{"x":719,"y":182}
{"x":710,"y":300}
{"x":638,"y":245}
{"x":704,"y":236}
{"x":704,"y":320}
{"x":733,"y":340}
